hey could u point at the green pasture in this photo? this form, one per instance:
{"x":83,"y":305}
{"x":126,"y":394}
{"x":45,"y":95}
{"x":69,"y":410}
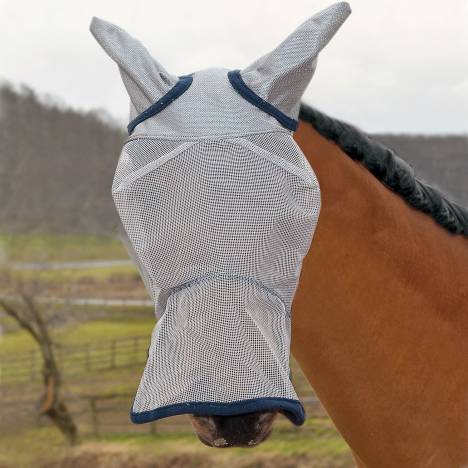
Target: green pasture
{"x":82,"y":333}
{"x":68,"y":275}
{"x":60,"y":247}
{"x":114,"y":281}
{"x":316,"y":443}
{"x":317,"y":436}
{"x":86,"y":354}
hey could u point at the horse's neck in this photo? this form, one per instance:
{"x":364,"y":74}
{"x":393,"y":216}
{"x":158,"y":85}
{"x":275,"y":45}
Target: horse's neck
{"x":380,"y":319}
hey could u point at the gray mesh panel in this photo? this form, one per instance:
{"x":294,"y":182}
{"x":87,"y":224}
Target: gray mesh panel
{"x":221,"y":226}
{"x":219,"y":205}
{"x":231,"y":349}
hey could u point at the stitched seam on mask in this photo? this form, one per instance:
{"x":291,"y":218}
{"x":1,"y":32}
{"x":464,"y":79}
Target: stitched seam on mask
{"x":214,"y":275}
{"x":257,"y":150}
{"x":276,"y":160}
{"x":183,"y":137}
{"x":241,"y":87}
{"x":275,"y":356}
{"x":178,"y":89}
{"x":151,"y":166}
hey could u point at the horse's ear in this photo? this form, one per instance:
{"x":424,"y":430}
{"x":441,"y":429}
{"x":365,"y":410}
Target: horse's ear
{"x":145,"y":79}
{"x":281,"y":76}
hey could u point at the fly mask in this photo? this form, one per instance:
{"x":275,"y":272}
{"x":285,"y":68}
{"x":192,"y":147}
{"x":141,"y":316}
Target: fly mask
{"x":219,"y":205}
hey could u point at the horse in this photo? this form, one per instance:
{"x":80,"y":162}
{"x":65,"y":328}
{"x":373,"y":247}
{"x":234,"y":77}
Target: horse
{"x":380,"y":317}
{"x":220,"y":206}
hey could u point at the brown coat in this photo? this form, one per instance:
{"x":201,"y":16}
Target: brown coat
{"x":380,"y":319}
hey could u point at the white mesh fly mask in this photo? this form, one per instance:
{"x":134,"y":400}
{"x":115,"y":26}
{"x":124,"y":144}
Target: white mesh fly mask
{"x":219,"y":205}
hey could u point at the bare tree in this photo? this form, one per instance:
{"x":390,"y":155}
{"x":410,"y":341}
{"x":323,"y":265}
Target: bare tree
{"x":27,"y":313}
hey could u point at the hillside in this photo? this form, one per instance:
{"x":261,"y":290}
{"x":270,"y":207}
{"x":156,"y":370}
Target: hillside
{"x":57,"y":164}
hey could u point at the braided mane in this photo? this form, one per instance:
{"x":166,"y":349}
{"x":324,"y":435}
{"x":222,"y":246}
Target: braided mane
{"x":390,"y":169}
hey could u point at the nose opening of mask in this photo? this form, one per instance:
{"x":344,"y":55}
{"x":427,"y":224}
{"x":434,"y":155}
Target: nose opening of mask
{"x":221,"y":348}
{"x":291,"y":409}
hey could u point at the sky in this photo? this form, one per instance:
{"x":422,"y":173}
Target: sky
{"x":395,"y":65}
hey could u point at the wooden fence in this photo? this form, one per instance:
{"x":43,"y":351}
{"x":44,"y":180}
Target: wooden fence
{"x":74,"y":360}
{"x":101,"y":414}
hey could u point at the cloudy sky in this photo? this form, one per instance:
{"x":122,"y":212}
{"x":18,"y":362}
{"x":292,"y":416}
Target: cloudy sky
{"x":395,"y":65}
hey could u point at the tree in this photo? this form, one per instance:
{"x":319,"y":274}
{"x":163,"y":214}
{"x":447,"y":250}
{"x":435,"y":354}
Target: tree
{"x":25,"y":310}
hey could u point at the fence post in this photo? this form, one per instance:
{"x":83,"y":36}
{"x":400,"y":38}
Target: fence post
{"x":112,"y":366}
{"x":110,"y":354}
{"x":135,"y":349}
{"x":94,"y":416}
{"x":88,"y":362}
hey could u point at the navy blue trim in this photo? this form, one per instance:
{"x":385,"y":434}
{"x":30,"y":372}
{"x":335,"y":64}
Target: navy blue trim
{"x":179,"y":88}
{"x":292,"y":409}
{"x":239,"y":85}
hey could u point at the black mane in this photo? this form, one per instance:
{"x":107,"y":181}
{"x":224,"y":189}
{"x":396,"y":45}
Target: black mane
{"x":390,"y":169}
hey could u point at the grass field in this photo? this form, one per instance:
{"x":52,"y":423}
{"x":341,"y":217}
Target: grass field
{"x":111,"y":273}
{"x":316,"y":444}
{"x":60,"y":247}
{"x":91,"y":342}
{"x":112,"y":282}
{"x":82,"y":333}
{"x":120,"y":445}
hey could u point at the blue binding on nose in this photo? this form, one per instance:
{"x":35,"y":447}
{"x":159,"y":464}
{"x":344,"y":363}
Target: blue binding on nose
{"x":292,"y":409}
{"x":179,"y":88}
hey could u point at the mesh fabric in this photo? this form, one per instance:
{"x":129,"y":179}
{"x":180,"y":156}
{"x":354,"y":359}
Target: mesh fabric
{"x":219,"y":207}
{"x":220,"y":227}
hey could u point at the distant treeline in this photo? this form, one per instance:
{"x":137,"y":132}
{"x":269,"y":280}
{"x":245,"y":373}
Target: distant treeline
{"x":57,"y":164}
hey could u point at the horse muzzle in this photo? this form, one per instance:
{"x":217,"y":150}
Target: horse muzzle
{"x":243,"y":430}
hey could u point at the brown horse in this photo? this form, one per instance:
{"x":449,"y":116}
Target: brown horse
{"x":380,"y":320}
{"x":380,"y":317}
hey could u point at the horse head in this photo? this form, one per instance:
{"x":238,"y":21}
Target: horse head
{"x":220,"y":206}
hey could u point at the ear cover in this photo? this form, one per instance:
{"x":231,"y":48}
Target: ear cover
{"x":146,"y":80}
{"x":281,"y":76}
